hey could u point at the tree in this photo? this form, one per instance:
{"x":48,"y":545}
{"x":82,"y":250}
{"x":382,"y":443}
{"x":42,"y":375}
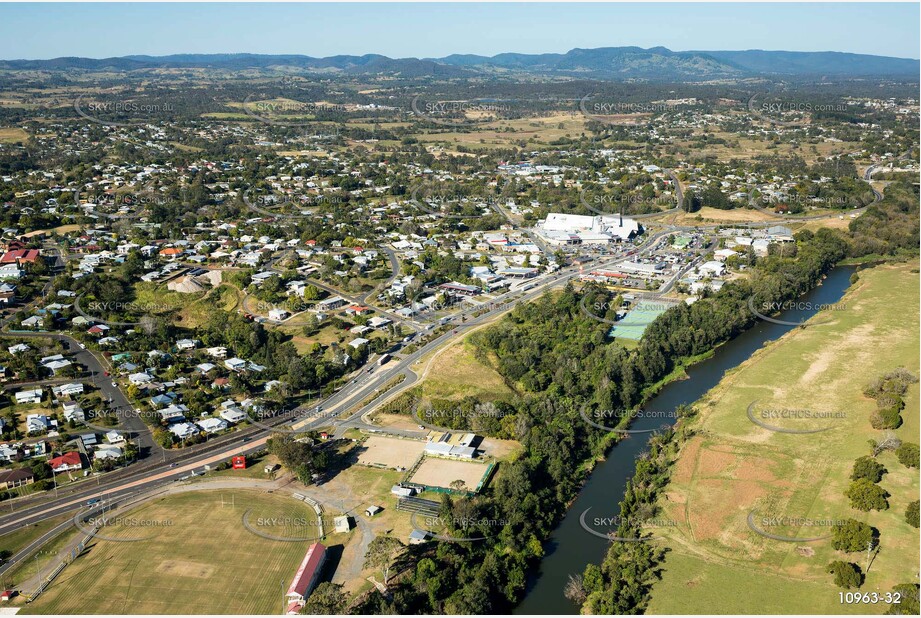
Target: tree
{"x":41,"y":470}
{"x":327,"y":599}
{"x":847,"y":574}
{"x":852,"y":535}
{"x":908,"y":454}
{"x":867,"y":496}
{"x":911,"y":514}
{"x":908,"y":603}
{"x":868,"y":468}
{"x":886,"y":418}
{"x":574,"y":590}
{"x":382,"y":552}
{"x":299,"y":457}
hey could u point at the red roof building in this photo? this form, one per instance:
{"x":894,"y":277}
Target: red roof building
{"x":19,"y":256}
{"x":308,"y":573}
{"x":67,"y":461}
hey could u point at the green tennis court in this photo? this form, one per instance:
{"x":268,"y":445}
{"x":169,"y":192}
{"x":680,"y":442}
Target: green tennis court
{"x":637,"y":319}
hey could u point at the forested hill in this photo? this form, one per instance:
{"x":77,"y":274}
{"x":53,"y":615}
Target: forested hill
{"x":610,"y":63}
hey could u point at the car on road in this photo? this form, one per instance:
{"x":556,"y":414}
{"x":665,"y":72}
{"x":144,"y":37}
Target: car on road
{"x":93,"y":501}
{"x":82,"y":346}
{"x":173,"y":465}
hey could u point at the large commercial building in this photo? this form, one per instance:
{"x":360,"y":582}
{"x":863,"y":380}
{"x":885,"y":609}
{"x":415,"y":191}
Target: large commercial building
{"x":564,"y":229}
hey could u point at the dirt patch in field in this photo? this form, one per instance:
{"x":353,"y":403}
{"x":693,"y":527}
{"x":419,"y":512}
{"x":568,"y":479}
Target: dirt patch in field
{"x":436,"y":472}
{"x":819,"y":364}
{"x":717,"y":503}
{"x":753,"y":469}
{"x":184,"y":568}
{"x":687,"y":461}
{"x":390,"y":452}
{"x":499,"y":449}
{"x":714,"y":463}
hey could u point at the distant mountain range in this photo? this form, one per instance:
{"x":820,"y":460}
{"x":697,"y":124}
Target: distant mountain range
{"x":612,"y":63}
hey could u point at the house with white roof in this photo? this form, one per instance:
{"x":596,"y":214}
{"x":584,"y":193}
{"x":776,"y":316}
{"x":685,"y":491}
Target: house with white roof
{"x":212,"y":425}
{"x":107,"y":451}
{"x":235,"y":364}
{"x":233,"y":415}
{"x":217,"y":352}
{"x":37,"y":423}
{"x":34,"y":395}
{"x":183,"y":430}
{"x":141,"y":378}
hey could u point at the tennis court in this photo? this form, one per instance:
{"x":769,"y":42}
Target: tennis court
{"x":638,"y":318}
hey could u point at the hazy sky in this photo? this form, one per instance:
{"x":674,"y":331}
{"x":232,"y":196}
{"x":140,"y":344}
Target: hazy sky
{"x":432,"y":30}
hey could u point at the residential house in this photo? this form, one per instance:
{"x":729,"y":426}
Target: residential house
{"x":235,"y":364}
{"x":34,"y":395}
{"x":140,"y":378}
{"x":66,"y":462}
{"x":10,"y":479}
{"x":115,"y":437}
{"x":107,"y":451}
{"x":183,"y":430}
{"x":217,"y":352}
{"x":212,"y":425}
{"x":233,"y":415}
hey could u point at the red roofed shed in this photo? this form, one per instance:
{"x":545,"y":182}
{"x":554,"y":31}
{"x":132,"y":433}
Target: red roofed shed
{"x":308,"y":573}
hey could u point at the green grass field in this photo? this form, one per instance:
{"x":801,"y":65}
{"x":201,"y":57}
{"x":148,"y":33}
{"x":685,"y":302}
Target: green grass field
{"x":733,"y":467}
{"x":205,"y":562}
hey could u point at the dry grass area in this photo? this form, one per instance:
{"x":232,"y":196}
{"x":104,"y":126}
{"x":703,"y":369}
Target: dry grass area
{"x":204,"y":562}
{"x":13,"y":135}
{"x":455,"y":373}
{"x":734,"y":467}
{"x":709,"y":215}
{"x":504,"y":133}
{"x":394,"y":421}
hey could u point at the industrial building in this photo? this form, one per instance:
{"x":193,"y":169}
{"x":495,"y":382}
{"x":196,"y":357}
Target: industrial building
{"x":566,"y":229}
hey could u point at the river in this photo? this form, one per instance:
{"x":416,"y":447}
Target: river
{"x":570,"y":548}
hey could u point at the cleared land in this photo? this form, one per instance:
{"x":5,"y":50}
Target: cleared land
{"x":734,"y":467}
{"x":13,"y":135}
{"x":390,"y":452}
{"x":205,"y":562}
{"x":456,"y":373}
{"x":436,"y":472}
